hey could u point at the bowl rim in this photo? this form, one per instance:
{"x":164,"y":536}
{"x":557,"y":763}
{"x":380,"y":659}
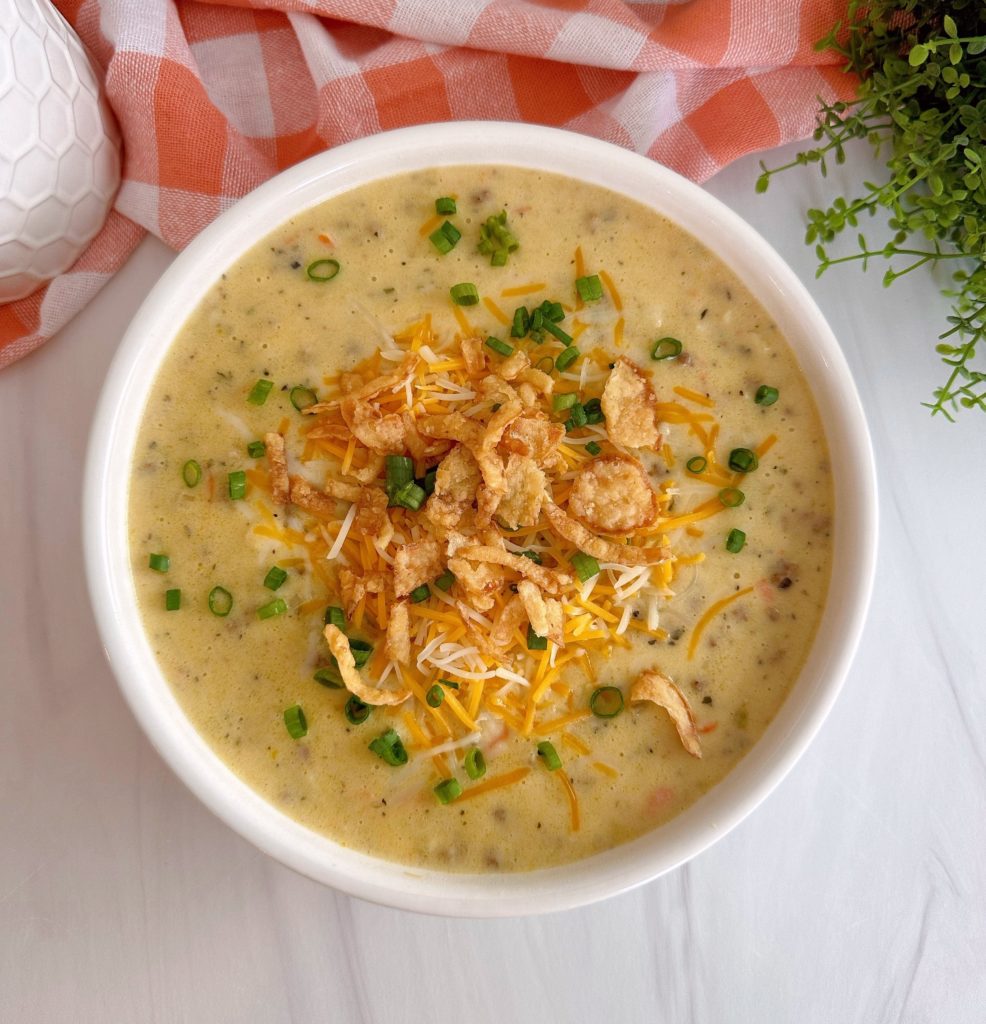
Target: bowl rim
{"x":108,"y":566}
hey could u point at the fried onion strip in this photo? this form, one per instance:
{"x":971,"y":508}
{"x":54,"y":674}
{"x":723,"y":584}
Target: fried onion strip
{"x":658,"y":689}
{"x":339,"y":646}
{"x":624,"y":554}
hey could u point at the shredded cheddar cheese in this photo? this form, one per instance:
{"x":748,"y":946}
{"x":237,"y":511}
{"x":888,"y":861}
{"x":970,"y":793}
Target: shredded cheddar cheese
{"x":473,"y":641}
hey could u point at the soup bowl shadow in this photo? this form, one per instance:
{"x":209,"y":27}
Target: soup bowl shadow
{"x":108,"y":564}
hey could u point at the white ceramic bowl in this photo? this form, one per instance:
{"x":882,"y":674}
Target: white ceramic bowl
{"x":108,"y":559}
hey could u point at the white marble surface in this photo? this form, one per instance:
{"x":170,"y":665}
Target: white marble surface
{"x":856,"y":893}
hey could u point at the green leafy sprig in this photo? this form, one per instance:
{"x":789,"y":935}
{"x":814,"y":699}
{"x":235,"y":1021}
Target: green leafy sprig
{"x":922,"y":105}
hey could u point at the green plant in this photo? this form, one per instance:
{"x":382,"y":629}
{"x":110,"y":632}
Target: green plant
{"x":922,"y":104}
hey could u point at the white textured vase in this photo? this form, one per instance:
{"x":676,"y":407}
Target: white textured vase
{"x":59,"y":148}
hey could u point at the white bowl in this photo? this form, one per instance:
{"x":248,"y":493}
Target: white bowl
{"x":108,"y":557}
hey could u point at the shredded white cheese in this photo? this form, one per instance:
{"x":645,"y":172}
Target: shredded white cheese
{"x":343,"y":533}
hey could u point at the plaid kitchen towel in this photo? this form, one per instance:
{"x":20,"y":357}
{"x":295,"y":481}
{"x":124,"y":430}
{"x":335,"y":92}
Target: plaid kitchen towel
{"x":214,"y":98}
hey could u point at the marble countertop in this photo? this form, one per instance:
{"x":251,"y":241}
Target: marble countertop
{"x":856,"y":893}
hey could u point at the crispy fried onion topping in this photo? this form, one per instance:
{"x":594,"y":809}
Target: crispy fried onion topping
{"x":480,"y":440}
{"x":630,"y":407}
{"x":521,"y":504}
{"x":368,"y":473}
{"x":544,"y":614}
{"x":379,"y":432}
{"x":533,"y":436}
{"x":416,"y":563}
{"x":339,"y":646}
{"x":398,"y":633}
{"x":371,"y":516}
{"x":474,"y":356}
{"x":624,"y":554}
{"x":456,"y":484}
{"x":511,"y":616}
{"x":321,"y":503}
{"x":612,"y":494}
{"x":661,"y":691}
{"x":277,"y":462}
{"x":354,"y":588}
{"x":551,"y":580}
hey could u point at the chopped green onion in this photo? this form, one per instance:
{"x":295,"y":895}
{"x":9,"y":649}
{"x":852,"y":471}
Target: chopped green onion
{"x":500,"y":346}
{"x":428,"y":483}
{"x":553,"y":311}
{"x":496,"y":406}
{"x":275,"y":577}
{"x":159,"y":563}
{"x":335,"y":616}
{"x":260,"y":391}
{"x":435,"y":696}
{"x":535,"y":642}
{"x":302,"y":397}
{"x":445,"y":238}
{"x":400,"y":471}
{"x":295,"y":721}
{"x":731,"y":497}
{"x":606,"y":702}
{"x":697,"y":464}
{"x":564,"y":401}
{"x":475,"y":763}
{"x":546,"y":751}
{"x":420,"y":594}
{"x":545,"y":364}
{"x":589,"y":288}
{"x":592,"y":448}
{"x":565,"y":359}
{"x":666,"y":348}
{"x":537,"y":322}
{"x":356,"y":711}
{"x":534,"y":556}
{"x":594,"y":411}
{"x":585,"y":566}
{"x":742,"y":460}
{"x":328,"y":675}
{"x":448,"y":790}
{"x":191,"y":473}
{"x":496,"y":239}
{"x":735,"y":541}
{"x":578,"y":415}
{"x":464,"y":294}
{"x":441,"y":241}
{"x":172,"y":600}
{"x":552,"y":328}
{"x":521,"y":324}
{"x":237,"y":485}
{"x":256,"y":449}
{"x":388,"y":747}
{"x":409,"y":496}
{"x":322,"y":270}
{"x":220,"y":601}
{"x":766,"y":395}
{"x":276,"y":607}
{"x":361,"y":651}
{"x":445,"y":581}
{"x":445,"y":206}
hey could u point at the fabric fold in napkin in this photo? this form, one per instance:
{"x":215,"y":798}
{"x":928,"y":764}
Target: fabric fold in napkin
{"x":214,"y":98}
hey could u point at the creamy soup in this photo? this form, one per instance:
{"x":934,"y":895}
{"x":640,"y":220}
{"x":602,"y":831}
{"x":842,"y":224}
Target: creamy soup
{"x":569,"y":633}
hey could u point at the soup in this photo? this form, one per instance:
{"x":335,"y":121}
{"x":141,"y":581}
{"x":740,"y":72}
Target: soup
{"x":480,"y":519}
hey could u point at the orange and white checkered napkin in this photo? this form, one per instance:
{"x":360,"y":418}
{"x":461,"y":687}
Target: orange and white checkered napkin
{"x":214,"y":98}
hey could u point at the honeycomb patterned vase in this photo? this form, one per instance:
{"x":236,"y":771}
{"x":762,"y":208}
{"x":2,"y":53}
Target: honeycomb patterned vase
{"x":59,"y":148}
